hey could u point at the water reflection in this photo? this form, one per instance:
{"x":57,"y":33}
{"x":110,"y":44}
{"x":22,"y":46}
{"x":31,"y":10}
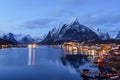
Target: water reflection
{"x":31,"y":55}
{"x":73,"y":58}
{"x":44,"y":58}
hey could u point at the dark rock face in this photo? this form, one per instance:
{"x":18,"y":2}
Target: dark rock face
{"x":10,"y":37}
{"x":5,"y":42}
{"x":71,"y":32}
{"x":49,"y":39}
{"x":18,"y":39}
{"x":105,"y":36}
{"x":26,"y":40}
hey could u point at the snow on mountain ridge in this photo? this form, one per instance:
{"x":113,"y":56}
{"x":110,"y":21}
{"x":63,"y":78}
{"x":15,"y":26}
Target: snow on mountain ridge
{"x":71,"y":31}
{"x":19,"y":37}
{"x":29,"y":37}
{"x":118,"y":36}
{"x":72,"y":20}
{"x":1,"y":35}
{"x":106,"y":36}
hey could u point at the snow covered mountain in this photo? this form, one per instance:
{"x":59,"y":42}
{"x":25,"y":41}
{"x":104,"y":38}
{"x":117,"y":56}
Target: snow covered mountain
{"x":10,"y":37}
{"x":104,"y":36}
{"x":118,"y":36}
{"x":18,"y":39}
{"x":26,"y":39}
{"x":72,"y":30}
{"x":37,"y":40}
{"x":1,"y":35}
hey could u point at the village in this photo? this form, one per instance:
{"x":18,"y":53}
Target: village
{"x":104,"y":56}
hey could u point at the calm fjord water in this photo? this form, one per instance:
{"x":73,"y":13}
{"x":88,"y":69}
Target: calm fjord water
{"x":43,"y":63}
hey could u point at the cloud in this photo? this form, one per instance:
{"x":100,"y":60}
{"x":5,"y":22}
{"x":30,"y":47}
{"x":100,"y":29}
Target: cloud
{"x":104,"y":19}
{"x":38,"y":23}
{"x":108,"y":22}
{"x":62,"y":12}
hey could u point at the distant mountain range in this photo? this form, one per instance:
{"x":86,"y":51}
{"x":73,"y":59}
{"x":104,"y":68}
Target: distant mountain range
{"x":17,"y":39}
{"x":71,"y":30}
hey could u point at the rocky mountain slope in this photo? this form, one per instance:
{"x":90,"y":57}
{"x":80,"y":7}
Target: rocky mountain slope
{"x":70,"y":31}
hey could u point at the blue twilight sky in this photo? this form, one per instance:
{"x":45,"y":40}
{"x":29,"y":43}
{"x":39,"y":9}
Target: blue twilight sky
{"x":37,"y":17}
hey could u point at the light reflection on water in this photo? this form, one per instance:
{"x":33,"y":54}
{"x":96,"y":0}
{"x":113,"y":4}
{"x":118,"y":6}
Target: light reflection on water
{"x":37,"y":62}
{"x":31,"y":56}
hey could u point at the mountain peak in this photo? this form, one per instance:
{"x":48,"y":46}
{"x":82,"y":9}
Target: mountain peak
{"x":106,"y":36}
{"x":72,"y":20}
{"x":71,"y":31}
{"x":10,"y":33}
{"x":118,"y":35}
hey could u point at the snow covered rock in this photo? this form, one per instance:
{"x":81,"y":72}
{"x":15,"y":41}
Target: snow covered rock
{"x":70,"y":31}
{"x":10,"y":37}
{"x":118,"y":36}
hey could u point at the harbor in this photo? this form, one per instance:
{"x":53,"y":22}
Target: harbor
{"x":98,"y":57}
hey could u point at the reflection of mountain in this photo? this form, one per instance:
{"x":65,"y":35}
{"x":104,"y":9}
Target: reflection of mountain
{"x":74,"y":60}
{"x":70,"y":31}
